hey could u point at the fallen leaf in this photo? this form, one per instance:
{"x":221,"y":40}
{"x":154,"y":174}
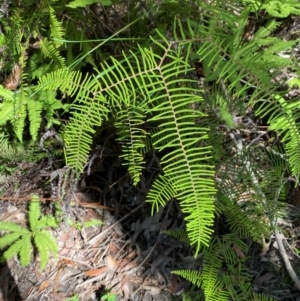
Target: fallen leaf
{"x":112,"y":264}
{"x":238,"y":251}
{"x":97,"y":272}
{"x":126,"y":287}
{"x":13,"y":80}
{"x":264,"y":278}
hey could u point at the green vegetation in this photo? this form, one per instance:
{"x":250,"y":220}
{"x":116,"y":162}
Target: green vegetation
{"x":20,"y":240}
{"x":59,"y":73}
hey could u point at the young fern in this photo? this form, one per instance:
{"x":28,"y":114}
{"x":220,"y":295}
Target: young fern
{"x":20,"y":241}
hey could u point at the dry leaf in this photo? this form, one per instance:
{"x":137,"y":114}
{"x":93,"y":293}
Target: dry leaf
{"x":93,"y":273}
{"x":126,"y":288}
{"x":130,"y":266}
{"x":238,"y":251}
{"x":44,"y":285}
{"x":13,"y":80}
{"x":264,"y":278}
{"x":113,"y":249}
{"x":112,"y":264}
{"x":132,"y":254}
{"x":178,"y":286}
{"x":160,"y":260}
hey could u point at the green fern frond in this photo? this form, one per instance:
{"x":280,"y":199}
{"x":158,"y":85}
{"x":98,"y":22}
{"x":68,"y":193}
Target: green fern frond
{"x":132,"y":137}
{"x":67,"y":81}
{"x":6,"y":94}
{"x":34,"y":108}
{"x":84,"y":3}
{"x":26,"y":250}
{"x":19,"y":113}
{"x":194,"y":277}
{"x":158,"y":89}
{"x":56,"y":28}
{"x":11,"y":227}
{"x":282,"y":118}
{"x":220,"y":285}
{"x":34,"y":212}
{"x":179,"y":234}
{"x":44,"y":242}
{"x":47,"y":221}
{"x":42,"y":249}
{"x":51,"y":105}
{"x":213,"y":289}
{"x":254,"y":205}
{"x":187,"y":164}
{"x":13,"y":250}
{"x":80,"y":129}
{"x":161,"y":191}
{"x":260,"y":297}
{"x":6,"y":112}
{"x":282,"y":10}
{"x":50,"y":50}
{"x":8,"y":239}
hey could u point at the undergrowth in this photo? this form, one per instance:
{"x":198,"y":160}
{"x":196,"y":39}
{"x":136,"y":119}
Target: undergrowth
{"x":57,"y":73}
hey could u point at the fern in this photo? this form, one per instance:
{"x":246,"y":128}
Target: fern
{"x":218,"y":285}
{"x":282,"y":118}
{"x":128,"y":122}
{"x":276,"y":8}
{"x":56,"y":27}
{"x":49,"y":50}
{"x":83,"y":3}
{"x":20,"y":240}
{"x":143,"y":92}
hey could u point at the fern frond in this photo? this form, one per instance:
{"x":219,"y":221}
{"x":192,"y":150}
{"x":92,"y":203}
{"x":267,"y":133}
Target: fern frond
{"x":186,"y":163}
{"x":6,"y":94}
{"x":80,"y":129}
{"x":82,"y":3}
{"x":179,"y":234}
{"x":12,"y":227}
{"x":282,"y":118}
{"x":13,"y":250}
{"x":26,"y":250}
{"x":19,"y":114}
{"x":51,"y":105}
{"x":6,"y":112}
{"x":34,"y":108}
{"x":44,"y":242}
{"x":8,"y":239}
{"x":49,"y":50}
{"x":260,"y":297}
{"x":63,"y":79}
{"x":132,"y":137}
{"x":47,"y":221}
{"x":194,"y":277}
{"x":161,"y":191}
{"x":34,"y":212}
{"x":56,"y":28}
